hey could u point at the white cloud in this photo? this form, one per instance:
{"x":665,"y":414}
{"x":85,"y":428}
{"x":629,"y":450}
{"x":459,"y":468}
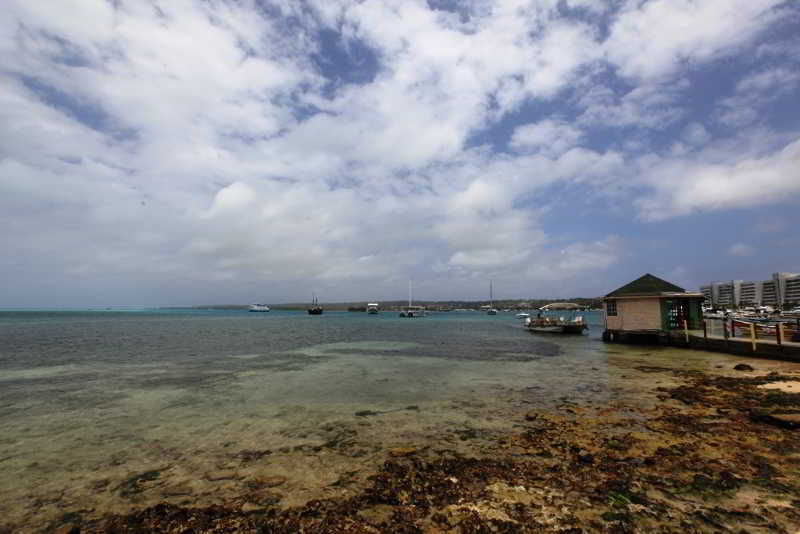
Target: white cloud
{"x":201,"y":138}
{"x":550,"y":136}
{"x":753,"y":92}
{"x":680,"y":186}
{"x":653,"y":39}
{"x":741,"y":250}
{"x":649,"y":105}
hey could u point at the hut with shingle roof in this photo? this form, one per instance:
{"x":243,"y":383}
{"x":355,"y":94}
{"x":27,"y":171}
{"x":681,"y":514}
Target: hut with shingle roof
{"x":648,"y":308}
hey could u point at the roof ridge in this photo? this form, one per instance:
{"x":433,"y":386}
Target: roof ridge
{"x":647,"y":284}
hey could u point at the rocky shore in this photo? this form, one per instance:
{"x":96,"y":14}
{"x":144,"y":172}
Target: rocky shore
{"x":711,"y":453}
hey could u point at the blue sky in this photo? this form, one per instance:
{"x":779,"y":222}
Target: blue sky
{"x":189,"y":152}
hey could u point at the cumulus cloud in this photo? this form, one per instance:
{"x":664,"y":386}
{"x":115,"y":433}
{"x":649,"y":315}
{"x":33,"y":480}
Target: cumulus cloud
{"x":753,"y":92}
{"x":681,"y":186}
{"x":653,"y":39}
{"x":548,"y":135}
{"x":741,"y":250}
{"x":233,"y":142}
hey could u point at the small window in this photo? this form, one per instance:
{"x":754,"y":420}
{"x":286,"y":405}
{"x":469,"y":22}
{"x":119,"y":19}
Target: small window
{"x":611,"y":308}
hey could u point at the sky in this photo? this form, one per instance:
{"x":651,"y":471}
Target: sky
{"x":188,"y":152}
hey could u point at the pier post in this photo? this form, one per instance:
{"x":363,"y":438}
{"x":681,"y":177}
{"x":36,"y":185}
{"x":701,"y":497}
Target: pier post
{"x":753,"y":335}
{"x":779,"y":333}
{"x":733,"y":328}
{"x":686,"y":331}
{"x":705,"y":330}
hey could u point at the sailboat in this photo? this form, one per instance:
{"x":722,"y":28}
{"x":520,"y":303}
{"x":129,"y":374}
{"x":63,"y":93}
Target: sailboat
{"x":412,"y":311}
{"x":315,"y":308}
{"x":491,"y":310}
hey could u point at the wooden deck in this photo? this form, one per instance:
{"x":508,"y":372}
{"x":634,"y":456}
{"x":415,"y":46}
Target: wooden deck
{"x":699,"y":340}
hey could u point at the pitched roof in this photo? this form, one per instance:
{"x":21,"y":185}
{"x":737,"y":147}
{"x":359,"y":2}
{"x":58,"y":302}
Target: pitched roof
{"x":646,"y":285}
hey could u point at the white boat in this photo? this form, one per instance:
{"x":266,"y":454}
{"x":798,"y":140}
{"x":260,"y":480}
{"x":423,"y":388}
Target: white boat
{"x":491,"y":310}
{"x":412,"y":311}
{"x":557,"y":326}
{"x":259,"y":308}
{"x":372,"y":308}
{"x":523,"y":315}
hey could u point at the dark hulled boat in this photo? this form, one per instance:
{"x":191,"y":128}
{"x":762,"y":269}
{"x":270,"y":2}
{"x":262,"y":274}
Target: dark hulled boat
{"x":315,"y":308}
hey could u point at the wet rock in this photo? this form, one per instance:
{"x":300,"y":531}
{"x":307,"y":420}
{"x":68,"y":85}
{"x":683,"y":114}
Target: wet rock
{"x":136,"y":483}
{"x":273,"y":481}
{"x":402,"y":451}
{"x":782,"y":420}
{"x":250,"y":507}
{"x":248,"y":455}
{"x":176,"y":491}
{"x":99,"y":485}
{"x":366,"y":413}
{"x":215,"y":476}
{"x":652,"y":369}
{"x":743,"y":367}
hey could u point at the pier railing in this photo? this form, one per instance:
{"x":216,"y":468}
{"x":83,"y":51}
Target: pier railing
{"x":776,"y":332}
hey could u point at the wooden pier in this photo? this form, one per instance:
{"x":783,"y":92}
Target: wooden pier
{"x":746,"y":343}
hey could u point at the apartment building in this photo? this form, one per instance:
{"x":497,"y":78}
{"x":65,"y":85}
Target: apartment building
{"x":782,"y":290}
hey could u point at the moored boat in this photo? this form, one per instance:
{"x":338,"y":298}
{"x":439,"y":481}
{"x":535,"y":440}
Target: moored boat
{"x":491,"y":310}
{"x":556,"y":326}
{"x":412,"y":311}
{"x":372,"y":308}
{"x":259,"y":308}
{"x":315,"y":308}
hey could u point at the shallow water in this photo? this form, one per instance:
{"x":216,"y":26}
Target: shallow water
{"x":88,"y":400}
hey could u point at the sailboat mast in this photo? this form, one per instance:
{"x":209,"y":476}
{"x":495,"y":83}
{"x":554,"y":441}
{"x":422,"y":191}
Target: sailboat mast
{"x":490,"y":293}
{"x":409,"y":293}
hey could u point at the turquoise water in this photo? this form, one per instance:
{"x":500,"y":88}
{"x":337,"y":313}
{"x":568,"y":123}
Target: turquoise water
{"x":89,"y":399}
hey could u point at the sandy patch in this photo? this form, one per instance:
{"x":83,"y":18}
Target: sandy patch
{"x":786,"y":387}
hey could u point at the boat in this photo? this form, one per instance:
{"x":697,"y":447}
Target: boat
{"x":491,"y":310}
{"x":522,"y":315}
{"x":315,"y":308}
{"x":552,"y":325}
{"x":372,"y":308}
{"x":259,"y":308}
{"x":412,"y":311}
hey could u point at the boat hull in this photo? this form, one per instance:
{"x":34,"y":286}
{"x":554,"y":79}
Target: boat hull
{"x":315,"y":311}
{"x":575,"y":329}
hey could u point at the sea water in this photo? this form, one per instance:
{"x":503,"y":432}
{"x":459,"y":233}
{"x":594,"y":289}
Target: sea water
{"x":90,"y":399}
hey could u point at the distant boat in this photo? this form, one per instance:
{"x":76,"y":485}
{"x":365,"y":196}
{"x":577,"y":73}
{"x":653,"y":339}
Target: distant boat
{"x":556,"y":326}
{"x":523,"y":315}
{"x":372,"y":308}
{"x":259,"y":308}
{"x":315,"y":308}
{"x":412,"y":311}
{"x":491,"y":310}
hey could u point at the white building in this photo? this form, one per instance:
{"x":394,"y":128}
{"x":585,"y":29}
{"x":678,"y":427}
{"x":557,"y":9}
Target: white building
{"x":782,"y":290}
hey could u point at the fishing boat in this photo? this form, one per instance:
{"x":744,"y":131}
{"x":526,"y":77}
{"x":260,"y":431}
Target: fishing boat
{"x":315,"y":308}
{"x":491,"y":310}
{"x":259,"y":308}
{"x":372,"y":308}
{"x":561,"y":325}
{"x":412,"y":311}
